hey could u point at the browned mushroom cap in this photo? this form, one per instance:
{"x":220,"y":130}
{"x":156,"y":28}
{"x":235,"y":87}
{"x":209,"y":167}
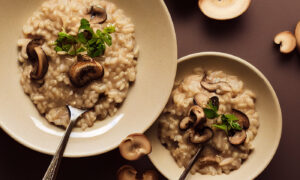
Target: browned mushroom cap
{"x":286,"y":40}
{"x":223,"y":9}
{"x":243,"y":118}
{"x":201,"y":136}
{"x":37,"y":58}
{"x":98,"y":14}
{"x":150,"y":175}
{"x":196,"y":113}
{"x":297,"y":35}
{"x":83,"y":72}
{"x":135,"y":146}
{"x":126,"y":172}
{"x":238,"y":137}
{"x":186,"y":123}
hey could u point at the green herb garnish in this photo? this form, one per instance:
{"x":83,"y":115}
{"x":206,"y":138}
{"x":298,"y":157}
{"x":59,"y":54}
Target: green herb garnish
{"x":213,"y":106}
{"x":229,"y":121}
{"x":94,"y":44}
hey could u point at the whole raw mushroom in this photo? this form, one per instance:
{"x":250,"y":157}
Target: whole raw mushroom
{"x":286,"y":40}
{"x":297,"y":35}
{"x":223,"y":9}
{"x":135,"y":146}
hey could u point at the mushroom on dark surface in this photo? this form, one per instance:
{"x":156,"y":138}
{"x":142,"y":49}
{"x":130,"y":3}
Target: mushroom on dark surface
{"x":126,"y":172}
{"x":83,"y":72}
{"x":186,"y":123}
{"x":243,"y":118}
{"x":135,"y":146}
{"x":286,"y":40}
{"x":196,"y":113}
{"x":38,"y":59}
{"x":238,"y":137}
{"x":201,"y":136}
{"x":98,"y":14}
{"x":150,"y":175}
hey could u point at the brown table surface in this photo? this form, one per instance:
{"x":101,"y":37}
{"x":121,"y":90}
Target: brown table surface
{"x":250,"y":37}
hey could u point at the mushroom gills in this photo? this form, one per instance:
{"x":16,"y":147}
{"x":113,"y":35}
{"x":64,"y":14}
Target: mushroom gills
{"x":83,"y":72}
{"x":126,"y":172}
{"x":135,"y":146}
{"x":98,"y":14}
{"x":238,"y":137}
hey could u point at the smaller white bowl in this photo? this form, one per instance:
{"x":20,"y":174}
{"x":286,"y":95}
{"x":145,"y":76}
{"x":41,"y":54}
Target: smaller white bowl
{"x":267,"y":106}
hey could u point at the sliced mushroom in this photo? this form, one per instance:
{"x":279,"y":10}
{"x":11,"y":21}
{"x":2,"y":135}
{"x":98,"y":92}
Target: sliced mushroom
{"x":243,"y":118}
{"x":37,"y":58}
{"x":223,"y":9}
{"x":200,"y":99}
{"x":297,"y":35}
{"x":215,"y":101}
{"x":150,"y":175}
{"x":286,"y":40}
{"x":238,"y":137}
{"x":201,"y":136}
{"x":219,"y":88}
{"x":98,"y":14}
{"x":83,"y":72}
{"x":135,"y":146}
{"x":126,"y":172}
{"x":196,"y":113}
{"x":186,"y":123}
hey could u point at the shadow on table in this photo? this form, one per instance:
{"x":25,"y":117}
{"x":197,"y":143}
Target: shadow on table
{"x":183,"y":8}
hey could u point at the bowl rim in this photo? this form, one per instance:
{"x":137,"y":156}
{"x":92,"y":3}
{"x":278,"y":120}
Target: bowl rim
{"x":266,"y":81}
{"x":38,"y":149}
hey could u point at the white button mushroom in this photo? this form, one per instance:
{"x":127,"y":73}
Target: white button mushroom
{"x":223,"y":9}
{"x":286,"y":40}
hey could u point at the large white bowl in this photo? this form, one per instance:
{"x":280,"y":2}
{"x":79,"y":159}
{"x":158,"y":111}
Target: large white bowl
{"x":156,"y":69}
{"x":267,"y":106}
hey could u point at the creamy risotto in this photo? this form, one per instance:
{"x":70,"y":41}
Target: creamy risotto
{"x":56,"y":78}
{"x":214,"y":110}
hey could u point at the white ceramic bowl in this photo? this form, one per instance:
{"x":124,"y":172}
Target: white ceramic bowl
{"x":267,"y":106}
{"x":147,"y":97}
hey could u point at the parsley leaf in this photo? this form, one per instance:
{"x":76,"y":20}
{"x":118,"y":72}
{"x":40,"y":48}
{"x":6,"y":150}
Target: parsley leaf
{"x":94,"y":44}
{"x":230,"y":121}
{"x":221,"y":126}
{"x":210,"y":113}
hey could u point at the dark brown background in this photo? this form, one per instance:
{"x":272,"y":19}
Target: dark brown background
{"x":250,"y":37}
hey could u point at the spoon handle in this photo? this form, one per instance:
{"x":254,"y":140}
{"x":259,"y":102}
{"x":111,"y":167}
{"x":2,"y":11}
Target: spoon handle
{"x":53,"y":167}
{"x":191,"y":163}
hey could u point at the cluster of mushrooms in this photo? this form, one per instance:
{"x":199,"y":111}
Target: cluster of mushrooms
{"x":132,"y":148}
{"x":288,"y":41}
{"x":194,"y":124}
{"x":80,"y":73}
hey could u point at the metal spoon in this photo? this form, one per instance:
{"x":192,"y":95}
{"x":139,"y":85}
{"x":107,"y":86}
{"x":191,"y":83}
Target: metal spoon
{"x":191,"y":163}
{"x":54,"y":165}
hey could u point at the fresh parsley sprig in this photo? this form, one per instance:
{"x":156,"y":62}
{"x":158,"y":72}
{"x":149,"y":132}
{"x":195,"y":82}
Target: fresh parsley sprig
{"x":229,"y":121}
{"x":94,"y":44}
{"x":212,"y":110}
